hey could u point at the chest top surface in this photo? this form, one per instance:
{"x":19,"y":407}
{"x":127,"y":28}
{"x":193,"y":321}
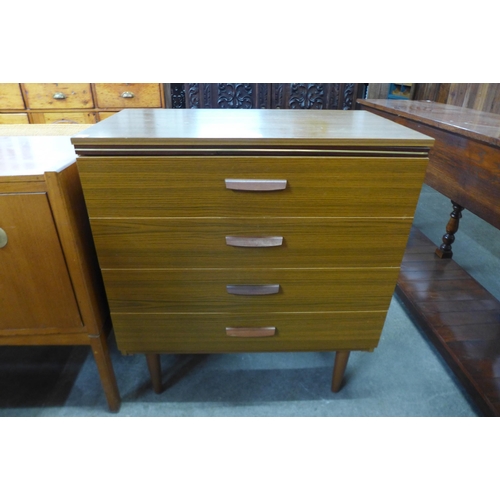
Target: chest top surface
{"x":34,"y":155}
{"x":247,"y":128}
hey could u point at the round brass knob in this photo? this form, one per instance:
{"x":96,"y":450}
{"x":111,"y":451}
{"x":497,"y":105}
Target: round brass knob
{"x":3,"y":238}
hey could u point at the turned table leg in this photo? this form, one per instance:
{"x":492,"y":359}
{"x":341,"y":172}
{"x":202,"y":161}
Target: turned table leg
{"x":154,"y":366}
{"x":341,"y":359}
{"x":100,"y":350}
{"x":444,"y":251}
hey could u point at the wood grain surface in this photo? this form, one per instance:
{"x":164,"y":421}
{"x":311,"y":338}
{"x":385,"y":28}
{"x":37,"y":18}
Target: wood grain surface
{"x":194,"y":186}
{"x":199,"y":333}
{"x":200,"y":242}
{"x":200,"y":290}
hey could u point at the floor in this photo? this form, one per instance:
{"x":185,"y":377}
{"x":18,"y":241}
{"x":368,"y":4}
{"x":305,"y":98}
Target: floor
{"x":403,"y":377}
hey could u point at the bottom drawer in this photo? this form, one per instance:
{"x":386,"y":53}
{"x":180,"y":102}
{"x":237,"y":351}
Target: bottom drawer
{"x":206,"y":333}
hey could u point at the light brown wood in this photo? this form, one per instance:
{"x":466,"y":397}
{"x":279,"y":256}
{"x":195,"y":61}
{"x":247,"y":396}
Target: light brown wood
{"x":41,"y":95}
{"x":11,"y":96}
{"x":128,"y":95}
{"x":200,"y":242}
{"x":105,"y":114}
{"x":194,"y":186}
{"x":155,"y":188}
{"x":64,"y":117}
{"x":12,"y":118}
{"x":250,"y":127}
{"x":199,"y":290}
{"x":206,"y":333}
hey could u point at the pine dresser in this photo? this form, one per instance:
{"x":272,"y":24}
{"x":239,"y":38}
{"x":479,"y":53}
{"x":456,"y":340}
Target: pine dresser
{"x":222,"y":231}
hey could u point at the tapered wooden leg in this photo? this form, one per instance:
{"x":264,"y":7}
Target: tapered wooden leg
{"x":154,"y":366}
{"x":341,"y":359}
{"x":100,"y":350}
{"x":444,"y":251}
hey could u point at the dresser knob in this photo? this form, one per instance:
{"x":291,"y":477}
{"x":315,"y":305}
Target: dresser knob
{"x":252,"y":289}
{"x":128,"y":95}
{"x":255,"y":184}
{"x":59,"y":95}
{"x":267,"y":331}
{"x":250,"y":242}
{"x":3,"y":238}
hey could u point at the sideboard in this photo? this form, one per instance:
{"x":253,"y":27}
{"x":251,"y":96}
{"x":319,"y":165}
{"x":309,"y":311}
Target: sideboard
{"x":51,"y":290}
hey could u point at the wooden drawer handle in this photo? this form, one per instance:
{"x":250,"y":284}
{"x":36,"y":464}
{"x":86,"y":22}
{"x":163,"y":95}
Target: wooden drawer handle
{"x":244,"y":241}
{"x":3,"y":238}
{"x":267,"y":331}
{"x":128,"y":95}
{"x":252,"y":289}
{"x":59,"y":95}
{"x":255,"y":184}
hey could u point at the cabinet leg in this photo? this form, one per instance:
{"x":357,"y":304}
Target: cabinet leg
{"x":154,"y":366}
{"x":341,"y":359}
{"x":444,"y":251}
{"x":100,"y":350}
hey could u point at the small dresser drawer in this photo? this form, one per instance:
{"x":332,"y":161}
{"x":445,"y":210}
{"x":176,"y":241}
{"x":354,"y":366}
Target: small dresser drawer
{"x":206,"y":333}
{"x":128,"y":95}
{"x":63,"y":118}
{"x":198,"y":187}
{"x":11,"y":96}
{"x":249,"y":242}
{"x":250,"y":290}
{"x":13,"y":118}
{"x":58,"y":95}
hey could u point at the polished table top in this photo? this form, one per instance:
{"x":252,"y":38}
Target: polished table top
{"x":462,"y":121}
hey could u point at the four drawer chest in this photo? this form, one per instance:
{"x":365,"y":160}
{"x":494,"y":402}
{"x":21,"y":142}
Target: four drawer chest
{"x":221,"y":231}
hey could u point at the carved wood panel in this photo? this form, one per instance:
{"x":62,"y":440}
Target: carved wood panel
{"x":266,"y":95}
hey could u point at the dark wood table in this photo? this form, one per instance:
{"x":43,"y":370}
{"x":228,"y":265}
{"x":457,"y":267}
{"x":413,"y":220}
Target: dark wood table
{"x":459,"y":316}
{"x":464,"y":164}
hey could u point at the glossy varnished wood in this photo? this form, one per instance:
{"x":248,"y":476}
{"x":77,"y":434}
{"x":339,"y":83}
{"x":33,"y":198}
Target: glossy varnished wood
{"x":195,"y":187}
{"x":458,"y":315}
{"x":200,"y":242}
{"x":463,"y":164}
{"x":206,"y":333}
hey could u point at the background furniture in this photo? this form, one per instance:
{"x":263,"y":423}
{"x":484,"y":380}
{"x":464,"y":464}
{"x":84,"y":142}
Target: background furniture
{"x":478,"y":96}
{"x":265,"y":95}
{"x":249,"y":230}
{"x":459,"y":315}
{"x":51,"y":290}
{"x":93,"y":102}
{"x":74,"y":102}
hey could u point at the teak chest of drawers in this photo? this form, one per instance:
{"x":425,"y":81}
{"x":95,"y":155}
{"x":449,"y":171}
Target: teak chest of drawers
{"x":249,"y":230}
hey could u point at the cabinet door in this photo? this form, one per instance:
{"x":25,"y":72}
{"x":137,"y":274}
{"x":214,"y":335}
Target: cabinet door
{"x":35,"y":288}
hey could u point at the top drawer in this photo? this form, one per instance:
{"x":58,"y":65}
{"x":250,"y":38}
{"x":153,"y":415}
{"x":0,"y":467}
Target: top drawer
{"x":11,"y":96}
{"x":196,"y":186}
{"x":58,"y":95}
{"x":128,"y":95}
